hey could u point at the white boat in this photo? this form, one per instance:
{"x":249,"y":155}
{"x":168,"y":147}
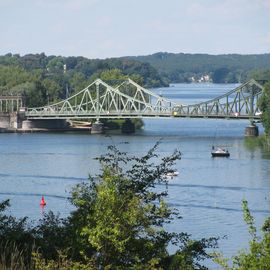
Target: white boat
{"x":172,"y":174}
{"x":219,"y":152}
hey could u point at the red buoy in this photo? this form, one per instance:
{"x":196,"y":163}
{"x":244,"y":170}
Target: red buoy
{"x":42,"y":202}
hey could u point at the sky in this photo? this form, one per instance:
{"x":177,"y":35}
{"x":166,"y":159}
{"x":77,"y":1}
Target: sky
{"x":114,"y":28}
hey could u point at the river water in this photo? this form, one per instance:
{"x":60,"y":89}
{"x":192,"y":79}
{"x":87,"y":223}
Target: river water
{"x":208,"y":191}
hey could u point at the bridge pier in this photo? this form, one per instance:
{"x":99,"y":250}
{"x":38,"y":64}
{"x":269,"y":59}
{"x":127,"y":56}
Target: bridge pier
{"x":128,"y":127}
{"x":5,"y":120}
{"x":11,"y":120}
{"x":55,"y":124}
{"x":251,"y":130}
{"x":97,"y":128}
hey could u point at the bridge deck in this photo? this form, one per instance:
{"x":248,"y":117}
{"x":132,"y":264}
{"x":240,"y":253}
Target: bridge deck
{"x":136,"y":115}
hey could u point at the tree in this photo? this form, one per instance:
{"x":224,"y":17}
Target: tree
{"x":121,"y":216}
{"x":118,"y":223}
{"x":56,"y":64}
{"x":258,"y":256}
{"x":260,"y":75}
{"x":16,"y":239}
{"x":264,"y":105}
{"x":220,"y":75}
{"x":53,"y":89}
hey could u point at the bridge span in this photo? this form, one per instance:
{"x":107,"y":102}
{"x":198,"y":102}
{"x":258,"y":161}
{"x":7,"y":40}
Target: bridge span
{"x":130,"y":100}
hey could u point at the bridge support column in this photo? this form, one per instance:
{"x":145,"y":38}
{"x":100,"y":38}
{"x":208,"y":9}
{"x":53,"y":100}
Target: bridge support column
{"x":27,"y":124}
{"x":45,"y":124}
{"x":128,"y":127}
{"x":251,"y":130}
{"x":97,"y":128}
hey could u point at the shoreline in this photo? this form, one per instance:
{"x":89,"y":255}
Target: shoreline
{"x":39,"y":130}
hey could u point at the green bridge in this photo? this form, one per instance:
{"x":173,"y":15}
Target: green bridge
{"x":130,"y":100}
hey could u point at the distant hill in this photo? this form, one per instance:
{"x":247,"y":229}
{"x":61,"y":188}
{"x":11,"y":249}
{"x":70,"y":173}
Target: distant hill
{"x":182,"y":67}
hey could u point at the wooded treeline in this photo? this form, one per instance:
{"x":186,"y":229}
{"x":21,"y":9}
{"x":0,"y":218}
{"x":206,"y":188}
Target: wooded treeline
{"x":227,"y":68}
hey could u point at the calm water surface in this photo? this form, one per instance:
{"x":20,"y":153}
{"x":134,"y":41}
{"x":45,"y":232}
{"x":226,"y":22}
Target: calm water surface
{"x":207,"y":192}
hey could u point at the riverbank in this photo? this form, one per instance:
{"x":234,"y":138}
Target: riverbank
{"x":125,"y":125}
{"x":261,"y":141}
{"x":41,"y":130}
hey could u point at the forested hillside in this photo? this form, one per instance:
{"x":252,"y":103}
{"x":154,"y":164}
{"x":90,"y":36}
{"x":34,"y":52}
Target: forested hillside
{"x":229,"y":68}
{"x":43,"y":79}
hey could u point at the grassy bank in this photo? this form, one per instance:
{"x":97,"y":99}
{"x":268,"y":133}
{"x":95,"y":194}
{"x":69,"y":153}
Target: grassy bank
{"x":262,"y":142}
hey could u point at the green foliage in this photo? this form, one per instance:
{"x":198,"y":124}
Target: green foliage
{"x":12,"y":76}
{"x":111,"y":74}
{"x":119,"y":223}
{"x":118,"y":123}
{"x":258,"y":256}
{"x":56,"y":64}
{"x":12,"y":229}
{"x":219,"y":75}
{"x":138,"y":123}
{"x":122,"y":216}
{"x":51,"y":235}
{"x":262,"y":142}
{"x":14,"y":258}
{"x":32,"y":85}
{"x":77,"y":81}
{"x":264,"y":105}
{"x":61,"y":263}
{"x":224,"y":75}
{"x":261,"y":75}
{"x":181,"y":67}
{"x":16,"y":239}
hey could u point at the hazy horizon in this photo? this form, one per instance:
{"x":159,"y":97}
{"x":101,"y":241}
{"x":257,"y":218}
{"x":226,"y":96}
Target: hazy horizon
{"x":21,"y":55}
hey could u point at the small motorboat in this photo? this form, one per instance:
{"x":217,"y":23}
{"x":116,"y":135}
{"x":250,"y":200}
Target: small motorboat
{"x":175,"y":173}
{"x":172,"y":174}
{"x":219,"y":152}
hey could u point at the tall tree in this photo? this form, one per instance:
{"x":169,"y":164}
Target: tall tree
{"x":264,"y":105}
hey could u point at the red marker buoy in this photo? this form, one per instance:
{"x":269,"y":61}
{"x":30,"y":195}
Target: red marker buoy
{"x":42,"y":202}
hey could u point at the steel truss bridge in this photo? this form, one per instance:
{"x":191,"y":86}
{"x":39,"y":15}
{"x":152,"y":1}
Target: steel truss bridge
{"x":130,"y":100}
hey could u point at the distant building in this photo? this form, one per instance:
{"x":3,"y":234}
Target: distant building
{"x":201,"y":79}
